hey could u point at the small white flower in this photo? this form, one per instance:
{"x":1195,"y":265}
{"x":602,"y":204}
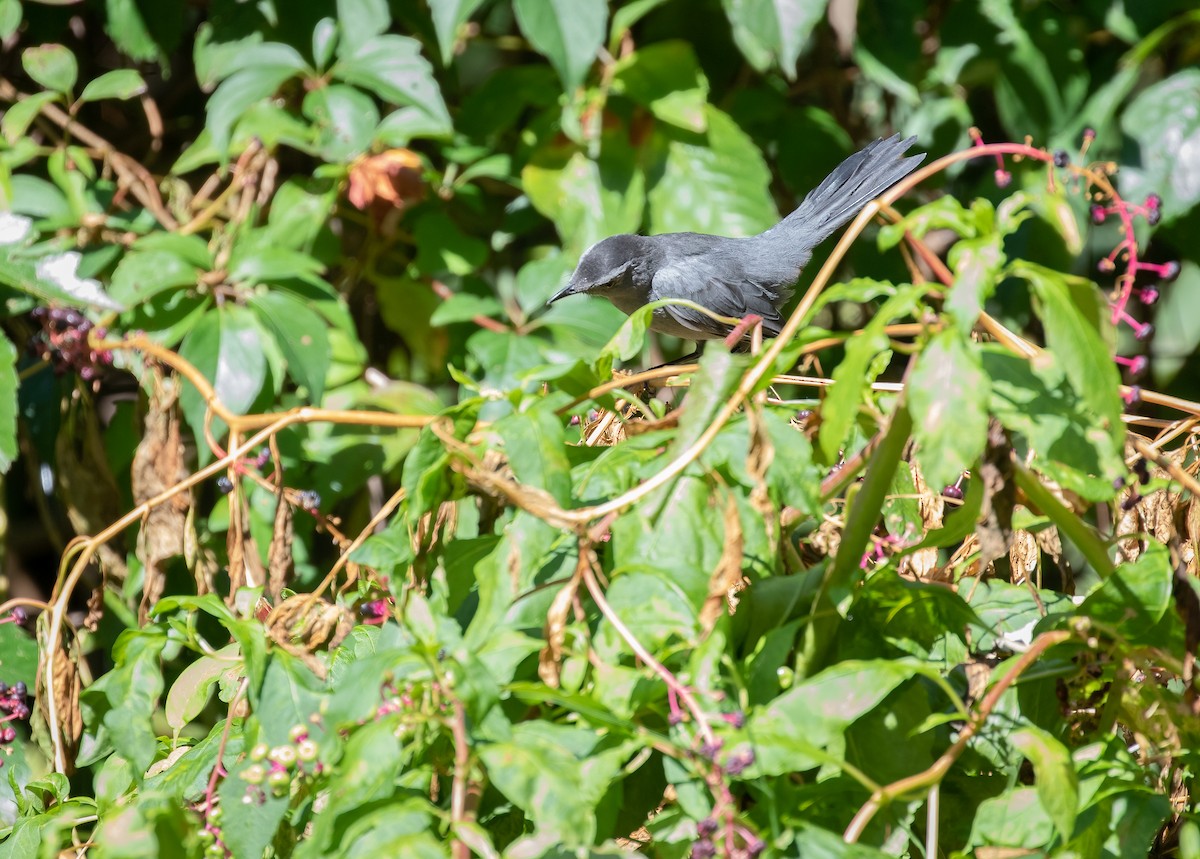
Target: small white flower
{"x":63,"y":271}
{"x":14,"y":228}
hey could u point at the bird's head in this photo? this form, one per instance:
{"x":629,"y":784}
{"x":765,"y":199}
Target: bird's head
{"x":605,"y":265}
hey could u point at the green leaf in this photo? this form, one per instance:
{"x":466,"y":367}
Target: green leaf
{"x":53,"y":66}
{"x":774,"y":32}
{"x":587,"y":199}
{"x":1054,"y":774}
{"x":1079,"y":332}
{"x":302,"y":335}
{"x":392,"y":67}
{"x":145,"y":32}
{"x":1165,"y":125}
{"x":718,"y":183}
{"x":567,"y":32}
{"x":443,"y":248}
{"x":948,"y":397}
{"x":1135,"y":598}
{"x":344,"y":119}
{"x":10,"y":17}
{"x":464,"y":307}
{"x":8,"y":404}
{"x":804,"y":727}
{"x":666,"y":77}
{"x":124,"y":699}
{"x":119,"y":84}
{"x":225,"y":347}
{"x":1035,"y":399}
{"x":190,"y":692}
{"x":976,"y":264}
{"x":850,"y":377}
{"x":448,"y":19}
{"x":534,"y":441}
{"x":238,"y":92}
{"x":18,"y":117}
{"x":1015,"y":819}
{"x":362,"y":19}
{"x":18,"y":653}
{"x":140,"y":275}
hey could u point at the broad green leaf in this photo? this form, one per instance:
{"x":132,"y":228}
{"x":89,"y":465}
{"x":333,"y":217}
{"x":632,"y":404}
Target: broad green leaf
{"x":943,"y":213}
{"x":1015,"y":819}
{"x":53,"y":66}
{"x":18,"y":650}
{"x":443,"y":248}
{"x":773,"y":32}
{"x":1054,"y":774}
{"x":344,"y":119}
{"x":448,"y":19}
{"x":1176,"y":328}
{"x":10,"y":17}
{"x":464,"y":307}
{"x":8,"y":406}
{"x":362,"y":19}
{"x":587,"y":199}
{"x":716,"y":183}
{"x":226,"y":348}
{"x":654,"y":607}
{"x":238,"y":92}
{"x":666,"y":77}
{"x":534,"y":442}
{"x":123,"y":701}
{"x":1079,"y":332}
{"x":976,"y":264}
{"x":392,"y":67}
{"x":302,"y":335}
{"x":140,"y":275}
{"x":850,"y":377}
{"x":566,"y":32}
{"x":1034,"y":398}
{"x":1134,"y":598}
{"x":1163,"y":121}
{"x":18,"y":117}
{"x":803,"y":728}
{"x":119,"y":84}
{"x":145,"y":32}
{"x":948,"y":398}
{"x":190,"y":692}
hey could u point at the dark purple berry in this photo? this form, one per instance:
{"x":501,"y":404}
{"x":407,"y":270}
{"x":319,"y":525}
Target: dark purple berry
{"x":8,"y":735}
{"x":1153,"y":216}
{"x":755,"y":847}
{"x":1061,"y":158}
{"x":1170,"y":271}
{"x":1148,"y":295}
{"x":310,"y":499}
{"x":19,"y":689}
{"x":1153,"y":202}
{"x":1131,"y":502}
{"x":707,"y":827}
{"x":3,"y":689}
{"x":1119,"y":483}
{"x":224,"y":484}
{"x":704,"y":849}
{"x":19,"y":616}
{"x":739,"y":762}
{"x":953,"y":491}
{"x":1098,"y":213}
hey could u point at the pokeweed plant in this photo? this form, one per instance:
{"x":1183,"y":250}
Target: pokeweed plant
{"x":374,"y":553}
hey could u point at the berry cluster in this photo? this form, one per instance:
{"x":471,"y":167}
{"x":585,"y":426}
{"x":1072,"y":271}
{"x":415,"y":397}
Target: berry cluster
{"x":210,"y":835}
{"x":15,"y":708}
{"x":276,"y":767}
{"x":63,"y":341}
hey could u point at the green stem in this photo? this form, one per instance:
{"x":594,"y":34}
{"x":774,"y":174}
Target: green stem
{"x":1075,"y":529}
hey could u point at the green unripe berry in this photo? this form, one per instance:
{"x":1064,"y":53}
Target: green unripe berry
{"x":285,"y":756}
{"x":307,"y":751}
{"x":259,"y":752}
{"x":254,"y":774}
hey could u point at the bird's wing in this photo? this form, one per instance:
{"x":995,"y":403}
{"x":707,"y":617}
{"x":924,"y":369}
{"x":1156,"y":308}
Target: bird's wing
{"x":723,"y":289}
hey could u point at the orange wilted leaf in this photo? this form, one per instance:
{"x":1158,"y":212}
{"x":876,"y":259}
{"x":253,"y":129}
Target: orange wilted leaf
{"x":389,"y":179}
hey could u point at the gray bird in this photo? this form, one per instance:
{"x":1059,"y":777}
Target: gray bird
{"x":735,"y":277}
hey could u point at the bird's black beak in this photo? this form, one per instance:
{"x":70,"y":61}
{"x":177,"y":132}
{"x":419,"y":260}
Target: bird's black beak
{"x":570,"y":289}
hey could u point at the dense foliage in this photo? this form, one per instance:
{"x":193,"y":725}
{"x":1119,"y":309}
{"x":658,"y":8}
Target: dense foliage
{"x":326,"y":537}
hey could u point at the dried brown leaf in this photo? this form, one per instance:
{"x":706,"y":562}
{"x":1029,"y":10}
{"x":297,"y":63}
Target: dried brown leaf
{"x":279,"y":553}
{"x":159,"y":464}
{"x":726,"y":579}
{"x":1023,"y":556}
{"x":66,"y":685}
{"x":557,"y":618}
